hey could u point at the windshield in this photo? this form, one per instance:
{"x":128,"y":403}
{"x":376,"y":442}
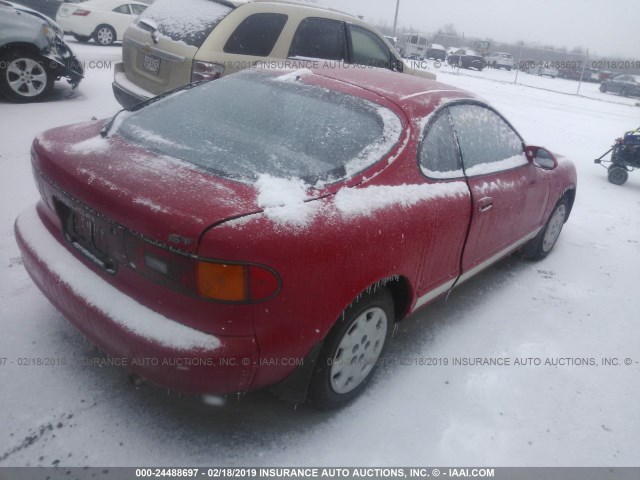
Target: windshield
{"x":252,"y":123}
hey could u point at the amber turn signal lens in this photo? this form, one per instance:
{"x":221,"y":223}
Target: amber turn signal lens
{"x":224,"y":282}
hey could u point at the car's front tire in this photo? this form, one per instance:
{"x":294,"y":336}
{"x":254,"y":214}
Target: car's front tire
{"x":544,"y":242}
{"x":352,"y":350}
{"x":24,"y":76}
{"x":104,"y":35}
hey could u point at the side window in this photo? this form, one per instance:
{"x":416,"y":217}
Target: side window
{"x":122,"y":9}
{"x":137,"y":9}
{"x":439,"y":154}
{"x":367,"y":49}
{"x":256,"y":35}
{"x":319,"y":38}
{"x":487,"y":142}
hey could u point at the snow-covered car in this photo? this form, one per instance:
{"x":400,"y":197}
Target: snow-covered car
{"x":436,"y":52}
{"x":103,"y":20}
{"x":175,"y":43}
{"x":32,"y":56}
{"x":625,"y":85}
{"x":500,"y":60}
{"x":466,"y":58}
{"x":269,"y":228}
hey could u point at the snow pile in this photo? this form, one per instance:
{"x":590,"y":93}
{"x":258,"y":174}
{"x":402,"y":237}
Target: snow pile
{"x":506,"y":164}
{"x":284,"y":200}
{"x":364,"y":201}
{"x":120,"y":308}
{"x":89,"y":146}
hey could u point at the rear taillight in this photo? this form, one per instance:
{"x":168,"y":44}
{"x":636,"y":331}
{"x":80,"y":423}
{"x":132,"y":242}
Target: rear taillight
{"x":205,"y":71}
{"x":81,"y":13}
{"x":236,"y":282}
{"x":233,"y":282}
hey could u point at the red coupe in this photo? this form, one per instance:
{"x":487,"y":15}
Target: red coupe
{"x":268,"y":228}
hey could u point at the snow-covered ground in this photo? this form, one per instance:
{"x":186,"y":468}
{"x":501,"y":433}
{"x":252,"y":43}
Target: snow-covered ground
{"x":581,"y":302}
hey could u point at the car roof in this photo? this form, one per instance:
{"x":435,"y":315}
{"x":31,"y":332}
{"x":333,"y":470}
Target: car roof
{"x":416,"y":96}
{"x":293,"y":3}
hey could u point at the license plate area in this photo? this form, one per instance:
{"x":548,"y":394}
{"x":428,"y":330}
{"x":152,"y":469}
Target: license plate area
{"x":151,"y":63}
{"x":88,"y":234}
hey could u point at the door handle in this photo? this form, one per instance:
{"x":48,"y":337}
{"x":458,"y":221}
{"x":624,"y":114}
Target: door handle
{"x":485,"y":204}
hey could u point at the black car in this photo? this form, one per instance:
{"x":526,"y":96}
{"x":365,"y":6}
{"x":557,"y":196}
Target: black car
{"x":436,"y":52}
{"x":467,"y":58}
{"x":626,"y":85}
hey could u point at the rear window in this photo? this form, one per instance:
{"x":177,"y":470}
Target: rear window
{"x":251,"y":123}
{"x":188,"y":21}
{"x":256,"y":35}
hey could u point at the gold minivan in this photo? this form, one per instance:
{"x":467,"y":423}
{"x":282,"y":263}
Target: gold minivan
{"x":174,"y":43}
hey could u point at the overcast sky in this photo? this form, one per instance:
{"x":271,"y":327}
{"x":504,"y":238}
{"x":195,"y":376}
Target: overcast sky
{"x":604,"y":27}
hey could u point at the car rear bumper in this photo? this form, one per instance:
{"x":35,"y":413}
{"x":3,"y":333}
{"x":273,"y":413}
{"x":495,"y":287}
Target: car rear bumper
{"x":76,"y":25}
{"x":126,"y":92}
{"x":148,"y":343}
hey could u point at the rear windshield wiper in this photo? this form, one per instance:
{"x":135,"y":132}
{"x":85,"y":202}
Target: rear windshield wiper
{"x":106,"y":130}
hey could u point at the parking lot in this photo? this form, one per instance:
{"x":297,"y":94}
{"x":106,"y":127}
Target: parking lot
{"x":579,"y":304}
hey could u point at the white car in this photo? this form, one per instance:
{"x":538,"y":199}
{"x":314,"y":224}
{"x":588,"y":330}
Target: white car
{"x":500,"y":60}
{"x":103,"y":20}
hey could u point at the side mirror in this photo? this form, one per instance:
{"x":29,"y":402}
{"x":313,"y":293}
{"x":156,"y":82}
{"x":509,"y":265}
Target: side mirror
{"x":397,"y":65}
{"x":541,"y":157}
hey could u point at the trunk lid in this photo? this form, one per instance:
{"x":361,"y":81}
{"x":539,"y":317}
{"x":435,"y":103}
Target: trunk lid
{"x":155,"y":67}
{"x":161,"y":198}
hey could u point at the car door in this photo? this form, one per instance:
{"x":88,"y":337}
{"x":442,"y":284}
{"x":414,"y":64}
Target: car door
{"x":497,"y":173}
{"x":447,"y":218}
{"x":366,"y":48}
{"x":319,"y":38}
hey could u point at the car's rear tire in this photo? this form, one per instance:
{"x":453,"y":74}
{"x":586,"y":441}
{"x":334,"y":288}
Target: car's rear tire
{"x":104,"y":35}
{"x":603,"y":88}
{"x":624,"y":92}
{"x":618,"y":174}
{"x":543,"y":243}
{"x":351,"y":350}
{"x":24,"y":76}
